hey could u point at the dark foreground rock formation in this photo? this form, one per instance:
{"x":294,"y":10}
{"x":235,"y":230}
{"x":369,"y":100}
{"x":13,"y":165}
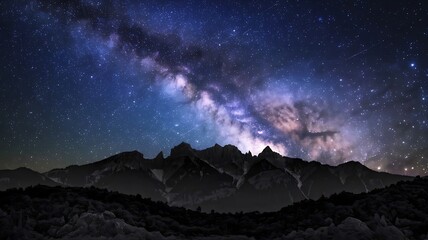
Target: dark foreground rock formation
{"x":399,"y":211}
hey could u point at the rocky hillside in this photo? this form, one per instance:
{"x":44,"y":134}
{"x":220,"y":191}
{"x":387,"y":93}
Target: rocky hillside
{"x":396,"y":212}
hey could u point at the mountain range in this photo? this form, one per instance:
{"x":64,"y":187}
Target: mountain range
{"x":219,"y":178}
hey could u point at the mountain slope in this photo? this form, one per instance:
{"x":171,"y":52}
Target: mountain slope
{"x":264,"y":188}
{"x":23,"y":177}
{"x":127,"y":172}
{"x":195,"y":182}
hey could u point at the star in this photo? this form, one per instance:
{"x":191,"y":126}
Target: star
{"x":82,"y":77}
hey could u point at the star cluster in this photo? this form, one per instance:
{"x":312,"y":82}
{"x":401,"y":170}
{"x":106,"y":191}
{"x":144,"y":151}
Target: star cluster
{"x":320,"y":80}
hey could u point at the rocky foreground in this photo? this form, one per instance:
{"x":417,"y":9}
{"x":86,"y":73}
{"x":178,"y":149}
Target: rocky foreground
{"x":396,"y":212}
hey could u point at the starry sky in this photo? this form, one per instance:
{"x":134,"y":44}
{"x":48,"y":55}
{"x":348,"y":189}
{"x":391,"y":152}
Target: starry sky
{"x":330,"y":81}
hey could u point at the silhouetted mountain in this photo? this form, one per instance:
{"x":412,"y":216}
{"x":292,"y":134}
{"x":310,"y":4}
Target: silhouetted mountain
{"x":227,"y":159}
{"x":127,"y":172}
{"x":193,"y":182}
{"x":399,"y":211}
{"x":264,"y":187}
{"x":23,"y":177}
{"x":222,"y":178}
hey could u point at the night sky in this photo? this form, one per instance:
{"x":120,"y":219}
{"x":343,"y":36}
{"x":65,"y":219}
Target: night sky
{"x":330,"y":81}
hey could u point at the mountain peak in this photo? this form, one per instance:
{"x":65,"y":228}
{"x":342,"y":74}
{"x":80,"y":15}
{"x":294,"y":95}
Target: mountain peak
{"x":134,"y":152}
{"x":23,"y":169}
{"x":217,"y":145}
{"x":352,"y":164}
{"x":129,"y":155}
{"x":268,"y":153}
{"x":182,"y":149}
{"x":267,"y":150}
{"x":159,"y":156}
{"x":230,"y":146}
{"x":227,"y":151}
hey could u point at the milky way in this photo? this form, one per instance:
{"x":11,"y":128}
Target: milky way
{"x":83,"y":79}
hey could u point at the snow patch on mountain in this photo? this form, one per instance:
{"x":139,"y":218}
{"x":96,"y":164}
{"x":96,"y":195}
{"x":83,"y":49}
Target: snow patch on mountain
{"x":240,"y":181}
{"x":365,"y":186}
{"x":158,"y":174}
{"x":96,"y":176}
{"x":342,"y":179}
{"x":299,"y":182}
{"x":57,"y":180}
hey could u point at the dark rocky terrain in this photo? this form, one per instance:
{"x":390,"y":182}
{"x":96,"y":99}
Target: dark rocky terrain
{"x":219,"y":178}
{"x":399,"y":211}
